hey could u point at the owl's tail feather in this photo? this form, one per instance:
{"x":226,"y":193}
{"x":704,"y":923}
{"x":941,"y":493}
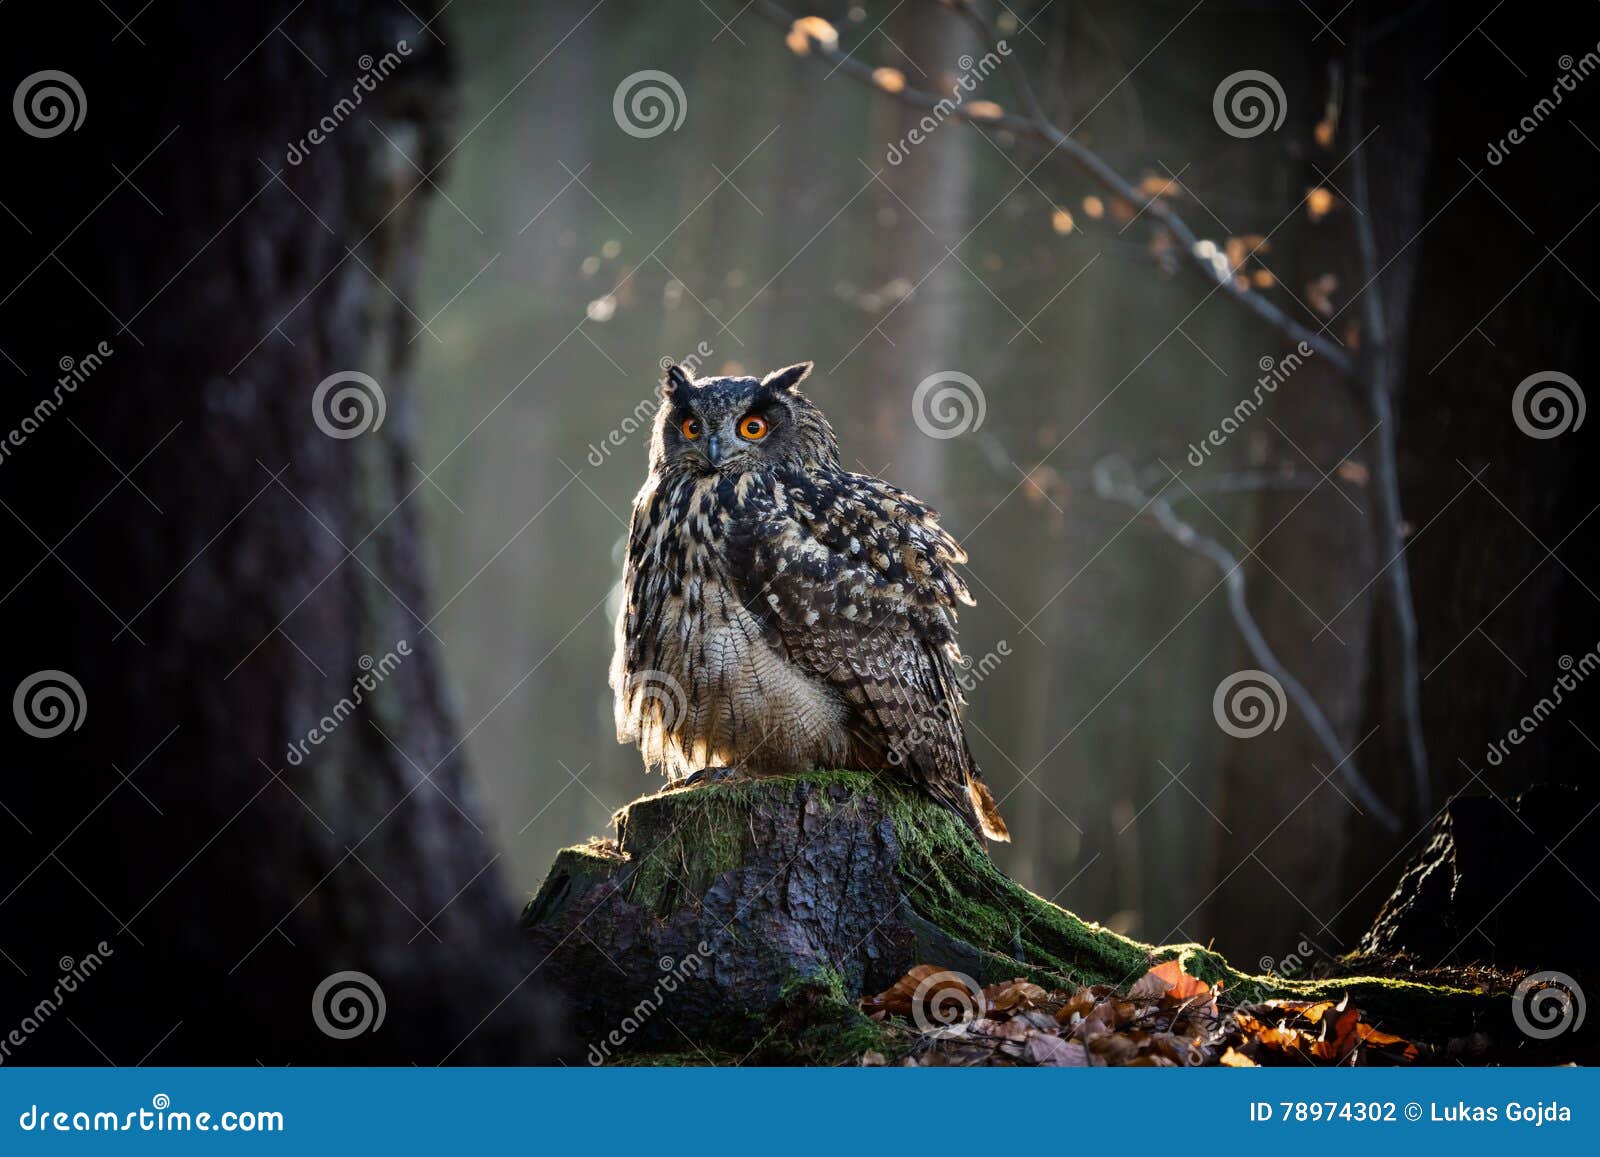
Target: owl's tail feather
{"x":986,"y":810}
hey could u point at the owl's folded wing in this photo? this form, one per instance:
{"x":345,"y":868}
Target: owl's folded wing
{"x":854,"y":579}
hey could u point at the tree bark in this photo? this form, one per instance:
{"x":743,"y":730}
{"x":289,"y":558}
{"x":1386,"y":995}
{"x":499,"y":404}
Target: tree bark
{"x":218,"y":573}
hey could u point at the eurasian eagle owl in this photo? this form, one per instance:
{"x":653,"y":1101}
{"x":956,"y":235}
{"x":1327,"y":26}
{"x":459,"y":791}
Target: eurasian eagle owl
{"x":782,"y":613}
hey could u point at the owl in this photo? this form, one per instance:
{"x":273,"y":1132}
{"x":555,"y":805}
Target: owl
{"x":782,"y":613}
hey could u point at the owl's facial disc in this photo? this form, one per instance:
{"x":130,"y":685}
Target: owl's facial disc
{"x":737,"y":425}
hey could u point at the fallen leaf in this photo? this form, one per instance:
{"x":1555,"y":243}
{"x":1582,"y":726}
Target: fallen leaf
{"x":1053,"y":1052}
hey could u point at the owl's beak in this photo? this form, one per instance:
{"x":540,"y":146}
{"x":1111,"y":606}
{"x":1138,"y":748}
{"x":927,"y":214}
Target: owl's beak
{"x":714,"y":449}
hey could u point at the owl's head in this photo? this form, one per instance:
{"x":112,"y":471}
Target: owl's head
{"x":737,"y":425}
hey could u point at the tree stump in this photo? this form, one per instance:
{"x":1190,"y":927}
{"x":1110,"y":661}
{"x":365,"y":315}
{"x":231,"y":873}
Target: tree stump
{"x":749,"y":918}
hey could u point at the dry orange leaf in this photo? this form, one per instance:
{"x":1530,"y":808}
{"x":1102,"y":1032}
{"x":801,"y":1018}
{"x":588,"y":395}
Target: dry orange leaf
{"x":808,"y":28}
{"x":1234,"y":1059}
{"x":1155,"y":186}
{"x":889,"y":79}
{"x":985,"y":110}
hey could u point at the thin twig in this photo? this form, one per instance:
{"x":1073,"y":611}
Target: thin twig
{"x":1115,"y":481}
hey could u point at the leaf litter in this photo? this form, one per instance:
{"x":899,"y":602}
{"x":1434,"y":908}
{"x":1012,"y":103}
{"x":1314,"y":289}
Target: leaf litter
{"x":1166,"y":1018}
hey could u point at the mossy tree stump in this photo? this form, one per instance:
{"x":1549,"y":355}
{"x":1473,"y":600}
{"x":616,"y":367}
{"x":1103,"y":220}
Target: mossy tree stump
{"x":752,"y":915}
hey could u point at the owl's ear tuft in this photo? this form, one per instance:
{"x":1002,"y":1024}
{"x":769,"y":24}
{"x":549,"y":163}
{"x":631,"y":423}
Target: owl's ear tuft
{"x":787,"y":378}
{"x":676,"y":380}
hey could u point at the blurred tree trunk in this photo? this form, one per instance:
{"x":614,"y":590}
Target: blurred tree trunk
{"x":218,"y":573}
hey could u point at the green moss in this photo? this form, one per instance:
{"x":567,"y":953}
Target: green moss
{"x":704,"y":839}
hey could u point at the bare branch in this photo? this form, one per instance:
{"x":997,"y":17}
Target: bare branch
{"x":1038,"y":127}
{"x":1115,"y":481}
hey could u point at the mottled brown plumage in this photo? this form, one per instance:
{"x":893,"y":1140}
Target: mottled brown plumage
{"x":782,"y":613}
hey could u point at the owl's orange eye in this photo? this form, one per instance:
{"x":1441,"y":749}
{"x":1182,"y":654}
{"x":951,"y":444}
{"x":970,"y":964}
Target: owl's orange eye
{"x":690,"y":428}
{"x":753,"y":428}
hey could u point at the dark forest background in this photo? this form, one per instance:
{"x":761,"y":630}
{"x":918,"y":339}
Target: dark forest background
{"x":486,"y":241}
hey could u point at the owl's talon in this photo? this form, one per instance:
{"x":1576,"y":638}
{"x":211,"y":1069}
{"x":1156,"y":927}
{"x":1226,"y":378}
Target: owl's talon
{"x":706,"y":775}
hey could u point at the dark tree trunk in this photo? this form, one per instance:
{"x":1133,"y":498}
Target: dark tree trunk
{"x":1504,"y":273}
{"x":217,"y":573}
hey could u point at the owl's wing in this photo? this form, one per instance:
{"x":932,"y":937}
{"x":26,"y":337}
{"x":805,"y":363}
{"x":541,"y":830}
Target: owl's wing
{"x":855,"y":580}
